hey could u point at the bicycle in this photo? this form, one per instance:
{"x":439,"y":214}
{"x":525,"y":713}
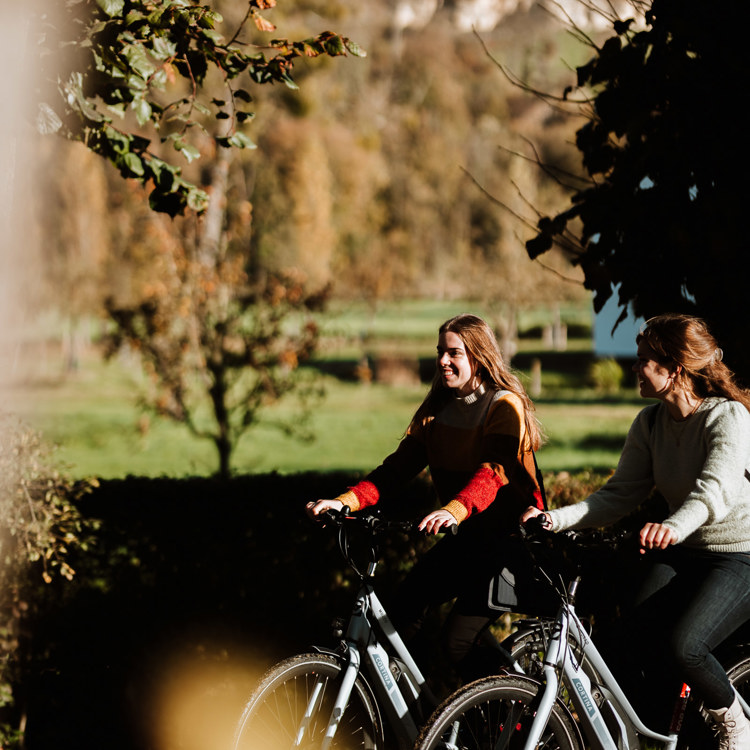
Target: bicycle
{"x":594,"y":550}
{"x":339,"y":698}
{"x":523,"y":713}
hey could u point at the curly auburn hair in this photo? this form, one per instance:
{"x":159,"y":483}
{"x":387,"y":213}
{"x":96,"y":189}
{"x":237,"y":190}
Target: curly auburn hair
{"x":685,"y":340}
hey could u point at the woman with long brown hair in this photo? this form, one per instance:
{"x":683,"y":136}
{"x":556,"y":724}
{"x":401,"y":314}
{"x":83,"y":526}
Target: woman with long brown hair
{"x":693,"y":447}
{"x":477,"y":433}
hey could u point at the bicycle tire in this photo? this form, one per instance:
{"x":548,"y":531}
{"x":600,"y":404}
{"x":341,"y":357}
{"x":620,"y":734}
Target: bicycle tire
{"x":273,"y":714}
{"x":739,"y":674}
{"x":496,"y":712}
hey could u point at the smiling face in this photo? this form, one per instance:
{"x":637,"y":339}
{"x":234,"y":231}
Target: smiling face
{"x":457,"y":370}
{"x":654,"y":379}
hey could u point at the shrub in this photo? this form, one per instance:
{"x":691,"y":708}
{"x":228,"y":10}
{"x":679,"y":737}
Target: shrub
{"x":606,"y":375}
{"x":565,"y":489}
{"x":38,"y":526}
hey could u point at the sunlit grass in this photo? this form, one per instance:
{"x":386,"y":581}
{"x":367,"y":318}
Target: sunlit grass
{"x":92,"y":412}
{"x":92,"y":415}
{"x":410,"y":326}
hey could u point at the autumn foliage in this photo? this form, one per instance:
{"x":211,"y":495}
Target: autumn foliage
{"x":218,"y":346}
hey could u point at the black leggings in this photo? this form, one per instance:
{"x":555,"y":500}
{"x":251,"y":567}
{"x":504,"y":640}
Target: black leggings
{"x":458,"y":567}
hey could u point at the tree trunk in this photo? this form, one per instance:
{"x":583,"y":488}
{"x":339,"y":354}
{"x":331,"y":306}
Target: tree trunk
{"x":224,"y":449}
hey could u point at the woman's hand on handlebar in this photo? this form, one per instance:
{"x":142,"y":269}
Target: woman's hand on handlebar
{"x":436,"y":521}
{"x":656,"y":536}
{"x":534,"y":512}
{"x":315,"y":507}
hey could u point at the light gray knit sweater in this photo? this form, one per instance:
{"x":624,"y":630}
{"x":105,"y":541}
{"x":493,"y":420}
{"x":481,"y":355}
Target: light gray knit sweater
{"x":698,"y":465}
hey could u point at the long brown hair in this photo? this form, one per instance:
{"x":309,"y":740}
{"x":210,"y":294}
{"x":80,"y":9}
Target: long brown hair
{"x":483,"y":351}
{"x":685,"y":340}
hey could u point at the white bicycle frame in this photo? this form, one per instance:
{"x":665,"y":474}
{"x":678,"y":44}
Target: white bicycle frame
{"x":394,"y":696}
{"x":569,"y":640}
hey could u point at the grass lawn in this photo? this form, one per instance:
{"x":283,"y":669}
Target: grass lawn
{"x":92,"y":416}
{"x":411,"y":325}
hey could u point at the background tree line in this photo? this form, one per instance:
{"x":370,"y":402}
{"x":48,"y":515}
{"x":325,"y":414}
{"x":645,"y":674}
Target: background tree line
{"x":365,"y":176}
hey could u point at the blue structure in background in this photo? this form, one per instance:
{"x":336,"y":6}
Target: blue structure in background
{"x":621,"y":343}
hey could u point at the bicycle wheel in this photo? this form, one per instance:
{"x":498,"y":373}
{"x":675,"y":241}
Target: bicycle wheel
{"x":496,"y":712}
{"x":697,"y":732}
{"x":292,"y":705}
{"x":739,"y":674}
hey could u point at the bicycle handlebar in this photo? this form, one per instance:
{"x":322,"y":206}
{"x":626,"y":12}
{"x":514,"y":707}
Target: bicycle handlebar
{"x":534,"y":530}
{"x":562,"y":557}
{"x":372,"y":526}
{"x":534,"y":526}
{"x":374,"y":522}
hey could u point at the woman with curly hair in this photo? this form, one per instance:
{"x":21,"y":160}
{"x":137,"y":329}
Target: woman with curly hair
{"x":693,"y":447}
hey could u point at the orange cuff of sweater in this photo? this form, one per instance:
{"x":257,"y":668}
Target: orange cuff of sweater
{"x":350,"y":499}
{"x":457,"y":510}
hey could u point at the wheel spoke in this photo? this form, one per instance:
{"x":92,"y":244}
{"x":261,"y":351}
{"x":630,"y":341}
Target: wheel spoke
{"x":292,"y":707}
{"x":495,"y":714}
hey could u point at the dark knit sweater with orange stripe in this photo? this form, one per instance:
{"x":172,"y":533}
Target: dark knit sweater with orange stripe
{"x":477,"y":456}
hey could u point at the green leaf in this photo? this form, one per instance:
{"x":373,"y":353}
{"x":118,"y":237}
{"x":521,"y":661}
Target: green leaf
{"x":165,"y":175}
{"x":112,"y":7}
{"x":197,"y":200}
{"x":289,"y":82}
{"x":134,"y":164}
{"x":202,"y":108}
{"x":154,"y":167}
{"x":163,"y":48}
{"x":354,"y":49}
{"x":96,"y":28}
{"x":210,"y":18}
{"x":118,"y":109}
{"x":159,"y":79}
{"x":190,"y":152}
{"x":334,"y":46}
{"x":142,"y":110}
{"x":118,"y":142}
{"x":139,"y":61}
{"x":137,"y":84}
{"x":156,"y":17}
{"x":76,"y":99}
{"x":240,"y":140}
{"x":213,"y":36}
{"x":134,"y":20}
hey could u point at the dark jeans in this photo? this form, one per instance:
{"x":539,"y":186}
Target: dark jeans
{"x":691,"y":601}
{"x":457,"y":567}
